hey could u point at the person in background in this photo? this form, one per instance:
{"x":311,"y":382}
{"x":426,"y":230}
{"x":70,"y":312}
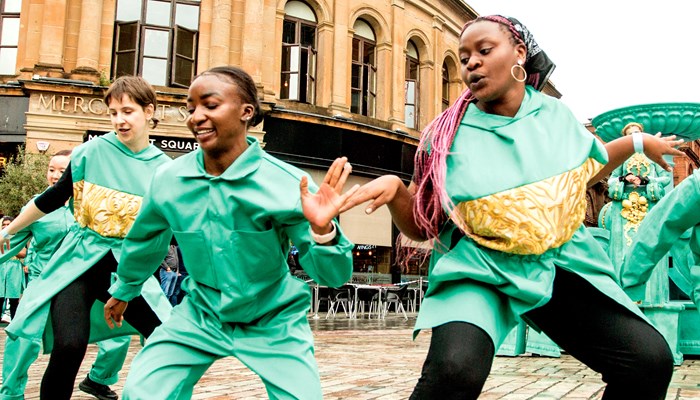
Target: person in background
{"x":500,"y":186}
{"x":169,"y":273}
{"x":241,"y":299}
{"x":106,"y":179}
{"x":45,"y":236}
{"x":11,"y":278}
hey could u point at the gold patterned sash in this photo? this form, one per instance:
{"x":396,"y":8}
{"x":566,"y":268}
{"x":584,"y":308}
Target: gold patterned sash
{"x":530,"y":219}
{"x":106,"y":211}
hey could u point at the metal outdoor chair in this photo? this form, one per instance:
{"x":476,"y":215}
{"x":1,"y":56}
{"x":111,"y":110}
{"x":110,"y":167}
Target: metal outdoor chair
{"x":340,"y":297}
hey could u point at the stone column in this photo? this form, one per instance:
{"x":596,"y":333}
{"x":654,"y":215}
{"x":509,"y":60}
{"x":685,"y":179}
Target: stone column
{"x":89,"y":38}
{"x":52,"y":38}
{"x":219,"y":48}
{"x":342,"y":58}
{"x":398,"y":64}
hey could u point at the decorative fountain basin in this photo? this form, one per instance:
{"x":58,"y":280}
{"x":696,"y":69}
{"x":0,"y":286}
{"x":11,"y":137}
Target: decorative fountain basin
{"x":680,"y":119}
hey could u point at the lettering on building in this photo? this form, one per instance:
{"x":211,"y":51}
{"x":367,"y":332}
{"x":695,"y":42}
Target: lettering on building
{"x":92,"y":106}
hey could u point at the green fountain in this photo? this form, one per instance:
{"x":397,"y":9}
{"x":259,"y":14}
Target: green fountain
{"x":678,"y":320}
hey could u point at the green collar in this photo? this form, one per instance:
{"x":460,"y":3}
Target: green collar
{"x":247,"y":163}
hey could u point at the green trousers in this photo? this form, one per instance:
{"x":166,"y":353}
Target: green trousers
{"x":278,"y":348}
{"x":20,"y":353}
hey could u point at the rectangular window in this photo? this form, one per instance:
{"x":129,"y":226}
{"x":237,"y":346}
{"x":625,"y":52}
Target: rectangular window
{"x":363,"y":78}
{"x":298,"y":69}
{"x":9,"y":35}
{"x":158,"y":41}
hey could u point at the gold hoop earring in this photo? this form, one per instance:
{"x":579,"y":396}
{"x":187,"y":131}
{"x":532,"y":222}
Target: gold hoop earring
{"x":519,"y":66}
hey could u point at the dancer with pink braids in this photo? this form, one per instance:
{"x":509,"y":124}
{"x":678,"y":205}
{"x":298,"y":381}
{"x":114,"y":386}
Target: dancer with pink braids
{"x":500,"y":187}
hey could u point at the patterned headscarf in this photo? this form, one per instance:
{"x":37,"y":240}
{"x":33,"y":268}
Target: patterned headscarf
{"x":436,"y":138}
{"x":537,"y":65}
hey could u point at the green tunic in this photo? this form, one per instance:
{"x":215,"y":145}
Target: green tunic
{"x":11,"y":279}
{"x":46,"y":235}
{"x":671,"y":217}
{"x":234,"y":232}
{"x":518,"y":191}
{"x":108,"y":181}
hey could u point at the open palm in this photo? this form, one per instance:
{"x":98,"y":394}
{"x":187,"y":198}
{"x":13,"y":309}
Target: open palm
{"x":321,"y":207}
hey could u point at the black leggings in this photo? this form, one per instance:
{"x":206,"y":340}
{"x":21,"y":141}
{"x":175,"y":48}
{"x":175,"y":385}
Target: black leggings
{"x":633,"y":358}
{"x":14,"y":303}
{"x":70,"y":319}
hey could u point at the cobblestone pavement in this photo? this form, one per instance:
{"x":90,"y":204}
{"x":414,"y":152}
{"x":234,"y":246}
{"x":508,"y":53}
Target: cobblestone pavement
{"x":370,"y":359}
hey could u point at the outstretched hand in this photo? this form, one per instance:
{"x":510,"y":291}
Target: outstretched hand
{"x":114,"y":312}
{"x":379,"y":192}
{"x":321,"y":207}
{"x":656,"y":146}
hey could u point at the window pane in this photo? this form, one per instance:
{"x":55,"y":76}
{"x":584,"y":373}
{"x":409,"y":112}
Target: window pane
{"x":128,"y":10}
{"x":356,"y":50}
{"x":368,"y":54}
{"x":185,"y":43}
{"x":294,"y":58}
{"x":10,"y":31}
{"x":355,"y":102}
{"x":127,"y":36}
{"x":410,"y":116}
{"x":155,"y":43}
{"x":284,"y":90}
{"x":13,"y":6}
{"x":356,"y":74}
{"x":154,"y":71}
{"x":158,"y":13}
{"x":294,"y":87}
{"x":8,"y":59}
{"x":286,"y":55}
{"x":410,"y":92}
{"x":184,"y":71}
{"x":312,"y":64}
{"x":288,"y":32}
{"x":308,"y":35}
{"x":187,"y":16}
{"x":125,"y":64}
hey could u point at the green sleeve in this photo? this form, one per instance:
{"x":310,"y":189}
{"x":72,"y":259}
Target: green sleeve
{"x":17,"y":243}
{"x":661,"y":228}
{"x":143,"y":249}
{"x":328,"y":265}
{"x":615,"y":187}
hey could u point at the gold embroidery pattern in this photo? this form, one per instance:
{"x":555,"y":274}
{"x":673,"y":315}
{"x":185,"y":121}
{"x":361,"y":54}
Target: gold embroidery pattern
{"x":106,"y":211}
{"x":638,"y":165}
{"x":530,"y":219}
{"x":634,"y":209}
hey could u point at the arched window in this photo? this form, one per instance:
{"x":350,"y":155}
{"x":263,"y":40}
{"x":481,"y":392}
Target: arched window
{"x":157,"y":39}
{"x":298,"y":53}
{"x":9,"y":35}
{"x":412,"y":85}
{"x":445,"y":86}
{"x":363,"y":82}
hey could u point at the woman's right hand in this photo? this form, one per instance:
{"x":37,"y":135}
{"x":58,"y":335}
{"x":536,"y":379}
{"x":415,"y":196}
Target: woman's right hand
{"x":379,"y":192}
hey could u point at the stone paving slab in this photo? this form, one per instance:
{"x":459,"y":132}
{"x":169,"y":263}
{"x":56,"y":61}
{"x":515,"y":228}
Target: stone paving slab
{"x":382,"y":362}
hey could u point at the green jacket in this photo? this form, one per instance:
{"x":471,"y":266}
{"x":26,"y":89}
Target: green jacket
{"x":234,"y":232}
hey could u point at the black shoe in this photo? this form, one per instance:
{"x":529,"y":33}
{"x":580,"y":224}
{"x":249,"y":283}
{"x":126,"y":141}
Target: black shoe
{"x":102,"y":392}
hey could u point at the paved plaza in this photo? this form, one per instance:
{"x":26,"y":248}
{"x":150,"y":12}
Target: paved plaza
{"x":370,"y":359}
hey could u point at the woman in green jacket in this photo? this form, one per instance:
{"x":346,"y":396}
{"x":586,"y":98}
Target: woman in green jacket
{"x":233,"y":210}
{"x":500,"y":184}
{"x":46,"y":235}
{"x":105,"y":182}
